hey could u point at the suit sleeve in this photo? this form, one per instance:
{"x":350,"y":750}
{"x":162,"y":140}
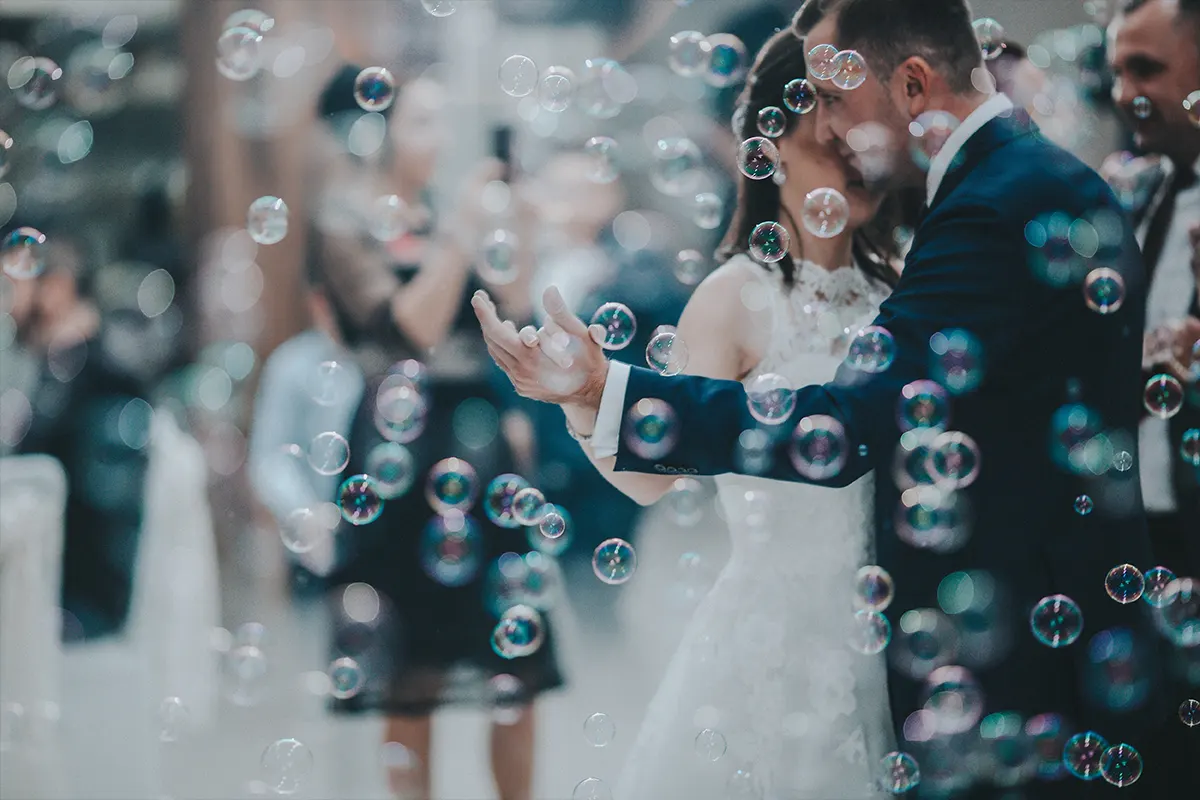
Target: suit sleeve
{"x":966,"y":271}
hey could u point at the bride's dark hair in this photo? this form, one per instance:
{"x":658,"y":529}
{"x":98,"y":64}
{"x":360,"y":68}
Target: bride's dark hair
{"x":780,"y":61}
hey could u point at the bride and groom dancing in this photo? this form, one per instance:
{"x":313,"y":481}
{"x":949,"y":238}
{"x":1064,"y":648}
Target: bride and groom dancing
{"x":764,"y":699}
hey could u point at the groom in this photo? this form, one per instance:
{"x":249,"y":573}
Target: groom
{"x":1013,"y":225}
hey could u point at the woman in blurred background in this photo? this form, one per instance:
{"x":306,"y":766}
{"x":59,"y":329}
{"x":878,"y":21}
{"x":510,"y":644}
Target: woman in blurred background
{"x":397,"y":284}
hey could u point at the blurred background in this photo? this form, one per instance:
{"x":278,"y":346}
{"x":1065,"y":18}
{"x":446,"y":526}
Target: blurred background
{"x":226,"y":220}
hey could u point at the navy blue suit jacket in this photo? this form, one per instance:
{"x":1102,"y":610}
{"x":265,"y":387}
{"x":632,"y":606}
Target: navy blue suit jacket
{"x":971,"y":268}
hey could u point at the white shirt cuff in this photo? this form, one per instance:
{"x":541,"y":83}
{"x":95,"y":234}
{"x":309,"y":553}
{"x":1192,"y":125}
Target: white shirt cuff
{"x":607,"y":434}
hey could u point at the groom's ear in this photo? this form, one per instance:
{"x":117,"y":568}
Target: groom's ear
{"x":916,"y":80}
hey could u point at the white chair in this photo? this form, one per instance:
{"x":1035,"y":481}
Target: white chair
{"x":115,"y":687}
{"x":33,"y":492}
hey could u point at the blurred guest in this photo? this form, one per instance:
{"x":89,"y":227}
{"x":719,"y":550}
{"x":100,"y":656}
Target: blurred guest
{"x":1155,"y":53}
{"x":397,"y":283}
{"x":309,"y":385}
{"x":87,"y":411}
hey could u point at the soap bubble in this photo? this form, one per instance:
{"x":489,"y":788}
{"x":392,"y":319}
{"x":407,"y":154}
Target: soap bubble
{"x":871,"y":633}
{"x":286,"y":766}
{"x":6,"y":143}
{"x":770,"y":398}
{"x":651,"y":428}
{"x":1104,"y":290}
{"x":599,"y":729}
{"x":1083,"y":753}
{"x":758,"y":158}
{"x":772,"y":122}
{"x":873,"y":589}
{"x":707,"y":210}
{"x":825,"y":213}
{"x":267,"y":220}
{"x":556,"y":88}
{"x":873,"y":350}
{"x":614,"y":561}
{"x":1056,"y":621}
{"x":328,"y":453}
{"x":619,"y":325}
{"x":1189,"y":447}
{"x":1191,"y":105}
{"x":1084,"y":505}
{"x":345,"y":678}
{"x":818,"y":448}
{"x":239,"y":53}
{"x":520,"y":632}
{"x":375,"y":89}
{"x":34,"y":81}
{"x":360,"y":500}
{"x":1158,"y":590}
{"x":553,"y":525}
{"x":529,"y":506}
{"x":990,"y":35}
{"x":393,"y":468}
{"x":822,"y":61}
{"x":851,"y":70}
{"x":1121,"y":765}
{"x":497,"y":261}
{"x":1125,"y":583}
{"x":602,"y":152}
{"x":678,"y":168}
{"x":591,"y":789}
{"x":173,"y":719}
{"x":769,"y":242}
{"x":929,"y":133}
{"x":303,"y":530}
{"x":727,"y":60}
{"x":953,"y":460}
{"x":451,"y":548}
{"x":925,"y":405}
{"x":710,"y":745}
{"x":690,"y":267}
{"x":518,"y":76}
{"x":23,"y":253}
{"x":1163,"y":396}
{"x":1142,"y":107}
{"x":1189,"y":712}
{"x":499,"y":497}
{"x":439,"y":8}
{"x":900,"y":773}
{"x":689,"y":53}
{"x":799,"y":96}
{"x":666,"y":353}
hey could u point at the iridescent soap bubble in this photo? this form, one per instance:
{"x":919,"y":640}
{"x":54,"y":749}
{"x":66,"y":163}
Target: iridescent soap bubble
{"x":1104,"y":290}
{"x":286,"y":766}
{"x":23,"y":253}
{"x":360,"y":500}
{"x":956,"y":360}
{"x":769,"y":242}
{"x":267,"y":220}
{"x":1179,"y":619}
{"x":602,"y":153}
{"x":553,"y":525}
{"x":452,"y":484}
{"x":727,"y":60}
{"x":619,"y":325}
{"x":244,"y":673}
{"x":689,"y":267}
{"x":1056,"y":621}
{"x":758,"y":158}
{"x":851,"y":70}
{"x":1189,"y":712}
{"x":556,"y":88}
{"x":772,"y":122}
{"x":955,"y":698}
{"x":345,"y":678}
{"x":1125,"y":583}
{"x":990,"y":35}
{"x":873,"y":588}
{"x":330,"y":383}
{"x":871,"y":632}
{"x":250,"y":18}
{"x":678,"y":167}
{"x":1157,"y":591}
{"x":1121,"y":765}
{"x":822,"y":61}
{"x":303,"y":530}
{"x":928,"y":134}
{"x":1084,"y":505}
{"x":520,"y":632}
{"x":375,"y":89}
{"x":799,"y":97}
{"x":529,"y":506}
{"x":239,"y":53}
{"x":770,"y":398}
{"x":173,"y":719}
{"x":452,"y":548}
{"x":34,"y":82}
{"x":393,"y":468}
{"x":599,"y":729}
{"x":498,"y":499}
{"x":1163,"y":396}
{"x":666,"y":353}
{"x":518,"y":76}
{"x":1142,"y":107}
{"x":899,"y":773}
{"x":710,"y":745}
{"x":685,"y":501}
{"x":1083,"y":753}
{"x":591,"y":789}
{"x":689,"y":53}
{"x":6,"y":143}
{"x":651,"y":428}
{"x":825,"y":213}
{"x":818,"y":448}
{"x":923,"y":404}
{"x":1191,"y":104}
{"x":1189,"y":447}
{"x":497,"y":261}
{"x":872,"y":350}
{"x":328,"y":453}
{"x":954,"y":460}
{"x":439,"y":8}
{"x":707,"y":210}
{"x":614,"y":561}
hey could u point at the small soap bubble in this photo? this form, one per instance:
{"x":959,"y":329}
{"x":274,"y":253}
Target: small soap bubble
{"x":990,"y":35}
{"x":499,"y":497}
{"x":900,"y":773}
{"x":599,"y":729}
{"x":1163,"y":396}
{"x":1125,"y":583}
{"x":602,"y":153}
{"x":452,"y":485}
{"x":923,"y":404}
{"x":872,"y":632}
{"x":685,"y":501}
{"x":772,"y":122}
{"x":1189,"y":447}
{"x":1189,"y":712}
{"x":770,"y":398}
{"x":872,"y":350}
{"x":727,"y":60}
{"x":707,"y":210}
{"x":666,"y":353}
{"x":267,"y":220}
{"x":822,"y":61}
{"x":439,"y":8}
{"x":954,"y":460}
{"x":614,"y":561}
{"x":553,"y":525}
{"x":678,"y":167}
{"x":303,"y":530}
{"x":6,"y":144}
{"x":345,"y":678}
{"x":1056,"y":621}
{"x":520,"y":632}
{"x":1084,"y":505}
{"x":1191,"y":104}
{"x":497,"y":261}
{"x":651,"y":428}
{"x":873,"y":589}
{"x":825,"y":213}
{"x":239,"y":53}
{"x":757,"y":158}
{"x":529,"y":506}
{"x":957,"y":360}
{"x":1104,"y":290}
{"x":393,"y":468}
{"x":929,"y":133}
{"x":591,"y":789}
{"x":375,"y":89}
{"x":330,"y":383}
{"x":173,"y":719}
{"x":328,"y":453}
{"x":23,"y":253}
{"x":851,"y":70}
{"x":1083,"y":753}
{"x":1121,"y":765}
{"x":769,"y":242}
{"x":619,"y":325}
{"x":556,"y":88}
{"x":286,"y":766}
{"x":689,"y":53}
{"x":1157,"y":592}
{"x":34,"y":81}
{"x":690,"y":267}
{"x":360,"y":500}
{"x":954,"y":697}
{"x":799,"y":96}
{"x":1142,"y":107}
{"x":710,"y":745}
{"x":818,"y":448}
{"x":518,"y":76}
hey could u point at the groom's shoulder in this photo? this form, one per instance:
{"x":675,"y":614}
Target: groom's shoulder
{"x":1032,"y":172}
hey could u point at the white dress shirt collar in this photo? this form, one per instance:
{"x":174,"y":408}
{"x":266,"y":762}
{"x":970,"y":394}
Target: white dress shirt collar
{"x":997,"y":105}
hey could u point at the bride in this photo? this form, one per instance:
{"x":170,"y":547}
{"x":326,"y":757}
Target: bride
{"x":764,"y":697}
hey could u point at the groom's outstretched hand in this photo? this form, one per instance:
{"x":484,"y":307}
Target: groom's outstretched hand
{"x":562,"y":363}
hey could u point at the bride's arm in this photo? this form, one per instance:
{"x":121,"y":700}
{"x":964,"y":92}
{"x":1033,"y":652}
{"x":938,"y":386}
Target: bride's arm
{"x":723,"y":339}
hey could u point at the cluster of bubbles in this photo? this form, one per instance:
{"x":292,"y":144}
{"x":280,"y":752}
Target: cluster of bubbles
{"x":721,"y":60}
{"x":845,"y":69}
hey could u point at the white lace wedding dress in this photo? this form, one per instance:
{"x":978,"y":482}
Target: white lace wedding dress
{"x":764,"y":698}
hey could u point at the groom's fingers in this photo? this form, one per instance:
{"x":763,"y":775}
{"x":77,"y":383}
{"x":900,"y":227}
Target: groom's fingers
{"x":551,"y":343}
{"x":497,"y":334}
{"x":529,"y":336}
{"x":557,"y":311}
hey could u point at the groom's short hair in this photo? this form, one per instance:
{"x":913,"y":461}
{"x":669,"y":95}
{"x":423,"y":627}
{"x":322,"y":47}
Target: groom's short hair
{"x":887,"y":32}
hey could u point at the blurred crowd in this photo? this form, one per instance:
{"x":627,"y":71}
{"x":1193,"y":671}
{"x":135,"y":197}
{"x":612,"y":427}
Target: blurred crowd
{"x":275,"y":252}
